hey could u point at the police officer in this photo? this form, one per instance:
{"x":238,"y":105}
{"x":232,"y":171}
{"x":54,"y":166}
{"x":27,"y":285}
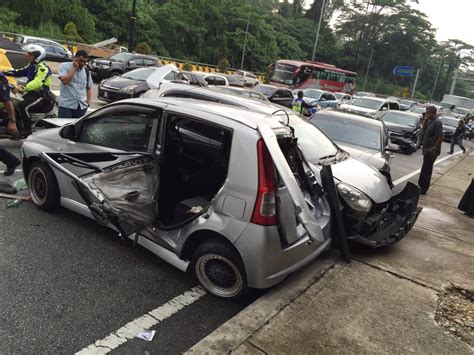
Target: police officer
{"x":299,"y":105}
{"x":5,"y":156}
{"x":37,"y":94}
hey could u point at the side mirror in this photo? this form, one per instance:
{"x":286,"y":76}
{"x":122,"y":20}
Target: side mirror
{"x":384,"y":109}
{"x":323,"y":99}
{"x":68,"y":132}
{"x":131,"y":63}
{"x":276,"y":96}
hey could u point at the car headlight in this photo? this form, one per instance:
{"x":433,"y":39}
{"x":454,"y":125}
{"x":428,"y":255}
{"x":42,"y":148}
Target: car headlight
{"x":128,"y":88}
{"x":355,"y":198}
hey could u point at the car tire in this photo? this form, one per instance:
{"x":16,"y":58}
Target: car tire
{"x":44,"y":189}
{"x":219,"y":269}
{"x":115,"y":73}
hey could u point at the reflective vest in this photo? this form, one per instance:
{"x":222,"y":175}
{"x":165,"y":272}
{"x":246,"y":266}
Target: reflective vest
{"x":38,"y":75}
{"x":297,"y":105}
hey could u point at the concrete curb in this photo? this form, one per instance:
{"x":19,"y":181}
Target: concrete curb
{"x":229,"y":336}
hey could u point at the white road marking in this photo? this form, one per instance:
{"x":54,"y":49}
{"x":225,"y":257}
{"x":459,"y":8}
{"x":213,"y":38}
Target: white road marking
{"x":408,"y":176}
{"x":152,"y":318}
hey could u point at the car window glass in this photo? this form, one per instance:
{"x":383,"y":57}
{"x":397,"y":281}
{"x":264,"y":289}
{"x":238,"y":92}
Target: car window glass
{"x":348,"y":131}
{"x":393,"y":106}
{"x":169,"y":76}
{"x":195,"y":130}
{"x":219,"y":81}
{"x":149,"y":62}
{"x":127,"y":130}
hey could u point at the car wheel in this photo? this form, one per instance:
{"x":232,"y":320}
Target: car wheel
{"x":44,"y":189}
{"x":115,"y":73}
{"x":219,"y":269}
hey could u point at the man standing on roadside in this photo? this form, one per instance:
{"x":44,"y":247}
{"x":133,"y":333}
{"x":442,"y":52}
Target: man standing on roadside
{"x":431,"y":141}
{"x":75,"y":94}
{"x":5,"y":156}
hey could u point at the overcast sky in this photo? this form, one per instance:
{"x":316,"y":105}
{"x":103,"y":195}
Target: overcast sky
{"x":452,"y":19}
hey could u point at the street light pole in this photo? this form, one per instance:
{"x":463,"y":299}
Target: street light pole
{"x":317,"y":32}
{"x":245,"y":43}
{"x":436,"y":79}
{"x":131,"y":33}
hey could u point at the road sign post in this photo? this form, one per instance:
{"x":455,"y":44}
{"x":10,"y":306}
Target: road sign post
{"x":414,"y":84}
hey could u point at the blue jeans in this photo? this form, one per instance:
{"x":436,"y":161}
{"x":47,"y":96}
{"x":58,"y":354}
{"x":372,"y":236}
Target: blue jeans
{"x":65,"y":112}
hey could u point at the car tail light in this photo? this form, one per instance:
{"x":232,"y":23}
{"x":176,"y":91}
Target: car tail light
{"x":264,"y":212}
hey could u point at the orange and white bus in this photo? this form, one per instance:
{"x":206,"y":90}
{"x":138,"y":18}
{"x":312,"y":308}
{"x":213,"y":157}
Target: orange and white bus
{"x":316,"y":75}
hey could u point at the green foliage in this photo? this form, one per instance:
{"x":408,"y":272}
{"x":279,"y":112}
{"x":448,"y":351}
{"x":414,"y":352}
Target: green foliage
{"x":223,"y":65}
{"x":143,"y":48}
{"x":70,"y":32}
{"x":187,"y":66}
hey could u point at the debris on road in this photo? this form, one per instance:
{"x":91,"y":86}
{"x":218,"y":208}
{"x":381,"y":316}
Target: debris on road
{"x":455,"y":313}
{"x":18,"y":192}
{"x":146,"y":335}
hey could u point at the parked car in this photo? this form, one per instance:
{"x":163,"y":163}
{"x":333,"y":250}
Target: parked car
{"x":275,"y":94}
{"x":321,"y":98}
{"x":23,"y":39}
{"x":249,"y":94}
{"x":370,"y":106}
{"x":343,"y":98}
{"x":120,"y":63}
{"x":403,"y":128}
{"x":213,"y":78}
{"x":195,"y":79}
{"x":56,"y":54}
{"x":450,"y":122}
{"x":359,"y":94}
{"x":235,"y":80}
{"x":134,"y":83}
{"x":406,"y":104}
{"x":250,"y":79}
{"x":210,"y":188}
{"x":419,"y":109}
{"x":363,"y":138}
{"x":364,"y":183}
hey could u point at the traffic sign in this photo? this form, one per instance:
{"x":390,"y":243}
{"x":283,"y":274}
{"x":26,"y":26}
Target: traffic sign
{"x":400,"y":70}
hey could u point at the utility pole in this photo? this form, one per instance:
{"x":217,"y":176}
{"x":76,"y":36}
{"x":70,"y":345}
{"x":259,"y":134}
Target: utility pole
{"x":317,"y":32}
{"x":414,"y":84}
{"x":131,"y":32}
{"x":453,"y":85}
{"x":368,"y":66}
{"x":245,"y":43}
{"x":436,"y":79}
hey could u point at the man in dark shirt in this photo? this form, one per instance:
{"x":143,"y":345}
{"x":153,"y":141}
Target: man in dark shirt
{"x":458,"y":136}
{"x":432,"y":139}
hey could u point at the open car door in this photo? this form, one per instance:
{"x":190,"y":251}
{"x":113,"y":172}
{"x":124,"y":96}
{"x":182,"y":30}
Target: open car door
{"x":123,"y":194}
{"x":303,"y":213}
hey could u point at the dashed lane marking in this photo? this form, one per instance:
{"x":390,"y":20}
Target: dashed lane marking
{"x":152,"y":318}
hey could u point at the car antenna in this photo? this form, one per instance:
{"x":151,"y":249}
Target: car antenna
{"x":288,"y":120}
{"x":287,"y":116}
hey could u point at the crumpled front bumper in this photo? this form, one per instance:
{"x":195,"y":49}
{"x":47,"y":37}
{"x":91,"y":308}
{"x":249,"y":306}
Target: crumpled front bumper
{"x":387,"y":223}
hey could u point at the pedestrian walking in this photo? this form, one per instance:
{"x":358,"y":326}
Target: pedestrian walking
{"x":75,"y":93}
{"x":431,"y":142}
{"x":458,"y":137}
{"x":6,"y":157}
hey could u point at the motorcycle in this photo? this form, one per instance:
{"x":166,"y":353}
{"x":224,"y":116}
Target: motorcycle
{"x":36,"y":118}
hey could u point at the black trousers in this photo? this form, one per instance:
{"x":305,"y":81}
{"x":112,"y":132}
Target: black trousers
{"x":467,"y":201}
{"x":7,"y":158}
{"x":32,"y":102}
{"x":426,"y":172}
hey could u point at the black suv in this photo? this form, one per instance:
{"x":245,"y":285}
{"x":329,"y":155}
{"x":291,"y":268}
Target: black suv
{"x":120,"y":63}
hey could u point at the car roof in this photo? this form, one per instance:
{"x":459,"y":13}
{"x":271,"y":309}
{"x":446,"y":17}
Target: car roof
{"x":273,"y":87}
{"x":339,"y":115}
{"x":236,"y":114}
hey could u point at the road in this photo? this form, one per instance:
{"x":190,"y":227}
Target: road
{"x":66,"y":283}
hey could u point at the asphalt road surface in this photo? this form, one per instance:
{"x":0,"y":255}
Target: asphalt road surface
{"x":66,"y":283}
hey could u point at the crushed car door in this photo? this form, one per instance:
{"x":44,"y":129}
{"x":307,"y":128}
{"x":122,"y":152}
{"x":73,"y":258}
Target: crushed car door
{"x":303,"y":213}
{"x":123,"y":195}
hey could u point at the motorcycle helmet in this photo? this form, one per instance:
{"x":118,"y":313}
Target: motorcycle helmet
{"x":38,"y":51}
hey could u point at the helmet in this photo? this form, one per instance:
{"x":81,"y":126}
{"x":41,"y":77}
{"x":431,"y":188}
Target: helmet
{"x":36,"y":50}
